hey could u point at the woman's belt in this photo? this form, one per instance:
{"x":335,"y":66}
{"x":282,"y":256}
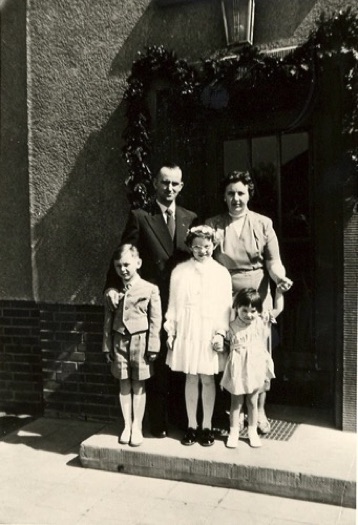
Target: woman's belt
{"x":234,"y":271}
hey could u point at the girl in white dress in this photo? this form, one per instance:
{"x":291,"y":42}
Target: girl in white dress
{"x":249,"y":365}
{"x":197,"y":320}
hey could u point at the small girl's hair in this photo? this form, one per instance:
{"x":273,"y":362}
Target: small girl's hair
{"x":124,"y":248}
{"x":248,"y":297}
{"x":204,"y":232}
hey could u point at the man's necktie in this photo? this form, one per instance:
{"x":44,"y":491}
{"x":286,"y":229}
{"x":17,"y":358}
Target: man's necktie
{"x":170,"y":222}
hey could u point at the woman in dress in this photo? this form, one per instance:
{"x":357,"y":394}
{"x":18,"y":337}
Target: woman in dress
{"x":249,"y":249}
{"x":197,"y":319}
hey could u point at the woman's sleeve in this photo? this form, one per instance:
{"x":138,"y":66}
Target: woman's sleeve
{"x":272,"y":256}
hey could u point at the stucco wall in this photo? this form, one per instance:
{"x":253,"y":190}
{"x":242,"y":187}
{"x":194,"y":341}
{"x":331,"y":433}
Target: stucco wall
{"x":79,"y":54}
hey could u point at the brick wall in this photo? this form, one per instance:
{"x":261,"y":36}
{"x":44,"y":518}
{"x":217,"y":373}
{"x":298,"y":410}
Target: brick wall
{"x":20,"y":357}
{"x":51,"y":361}
{"x":76,"y":380}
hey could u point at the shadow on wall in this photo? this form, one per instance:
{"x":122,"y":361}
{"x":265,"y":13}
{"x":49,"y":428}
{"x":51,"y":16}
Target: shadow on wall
{"x":74,"y":241}
{"x":193,"y":30}
{"x":275,"y":21}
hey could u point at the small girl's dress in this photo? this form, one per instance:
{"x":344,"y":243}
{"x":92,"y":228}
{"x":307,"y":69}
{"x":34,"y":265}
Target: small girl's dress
{"x":249,"y":365}
{"x":199,"y":307}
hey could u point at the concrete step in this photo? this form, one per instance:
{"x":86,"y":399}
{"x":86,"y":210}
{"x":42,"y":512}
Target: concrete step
{"x":315,"y":463}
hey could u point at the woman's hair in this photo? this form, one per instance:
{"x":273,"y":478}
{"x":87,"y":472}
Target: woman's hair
{"x":204,"y":232}
{"x":124,"y":248}
{"x":238,"y":176}
{"x":248,"y":297}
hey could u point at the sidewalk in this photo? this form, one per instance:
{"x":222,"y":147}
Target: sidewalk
{"x":43,"y":483}
{"x":315,"y":463}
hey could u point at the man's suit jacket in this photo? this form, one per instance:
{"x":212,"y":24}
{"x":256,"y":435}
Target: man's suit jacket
{"x":148,"y":231}
{"x":139,"y":310}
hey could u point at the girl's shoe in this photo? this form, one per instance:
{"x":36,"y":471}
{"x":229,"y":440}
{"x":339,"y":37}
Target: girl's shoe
{"x":207,"y":437}
{"x":136,"y":437}
{"x":233,"y":438}
{"x":254,"y":438}
{"x":190,"y":437}
{"x":125,"y":436}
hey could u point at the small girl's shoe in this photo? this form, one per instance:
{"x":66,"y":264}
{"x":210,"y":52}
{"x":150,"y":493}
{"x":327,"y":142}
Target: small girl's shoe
{"x":264,"y":426}
{"x":233,"y":438}
{"x":137,"y":437}
{"x":125,"y":436}
{"x":254,"y":438}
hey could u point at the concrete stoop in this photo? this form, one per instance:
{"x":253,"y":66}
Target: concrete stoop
{"x":316,"y":464}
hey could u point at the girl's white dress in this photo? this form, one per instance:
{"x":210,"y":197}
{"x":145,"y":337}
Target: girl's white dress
{"x":249,"y":364}
{"x":199,"y":306}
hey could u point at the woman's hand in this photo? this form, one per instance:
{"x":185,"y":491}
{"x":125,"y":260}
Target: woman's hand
{"x":170,"y":342}
{"x":284,"y":284}
{"x":152,"y":356}
{"x":218,"y":343}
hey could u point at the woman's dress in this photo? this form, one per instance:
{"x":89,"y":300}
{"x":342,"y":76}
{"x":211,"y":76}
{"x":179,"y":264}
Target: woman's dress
{"x":246,"y":251}
{"x":200,"y":301}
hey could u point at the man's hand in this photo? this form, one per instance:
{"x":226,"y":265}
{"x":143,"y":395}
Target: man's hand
{"x":112,"y":298}
{"x":152,"y":356}
{"x":107,"y":358}
{"x":218,"y":343}
{"x":170,"y":342}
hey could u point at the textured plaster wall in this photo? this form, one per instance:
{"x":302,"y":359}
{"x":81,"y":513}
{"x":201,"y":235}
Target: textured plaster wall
{"x":80,"y":54}
{"x":280,"y":23}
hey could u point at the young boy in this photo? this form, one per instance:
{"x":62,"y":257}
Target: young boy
{"x":131,"y":340}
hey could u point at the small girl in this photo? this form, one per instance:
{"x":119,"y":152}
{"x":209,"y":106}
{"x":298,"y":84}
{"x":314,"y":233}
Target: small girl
{"x":131,"y":340}
{"x":249,"y":365}
{"x":197,"y":319}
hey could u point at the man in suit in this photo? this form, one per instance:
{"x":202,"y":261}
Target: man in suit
{"x":159,"y":234}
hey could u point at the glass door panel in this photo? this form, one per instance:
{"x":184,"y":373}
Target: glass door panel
{"x":236,"y":156}
{"x":265,"y":173}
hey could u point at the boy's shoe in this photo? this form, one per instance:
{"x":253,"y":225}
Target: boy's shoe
{"x":190,"y":437}
{"x":125,"y":436}
{"x":207,"y":437}
{"x":233,"y":438}
{"x":136,"y":437}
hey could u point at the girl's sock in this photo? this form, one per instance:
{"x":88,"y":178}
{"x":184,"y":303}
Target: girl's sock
{"x":233,"y":438}
{"x":254,"y":438}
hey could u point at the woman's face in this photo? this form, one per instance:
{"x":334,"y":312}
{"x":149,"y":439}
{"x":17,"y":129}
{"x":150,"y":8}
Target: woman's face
{"x":202,"y":249}
{"x":237,"y":197}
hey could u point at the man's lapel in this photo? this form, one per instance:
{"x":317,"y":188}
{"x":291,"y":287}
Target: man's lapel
{"x":182,"y":224}
{"x":157,"y":224}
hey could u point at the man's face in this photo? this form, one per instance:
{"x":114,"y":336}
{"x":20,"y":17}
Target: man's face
{"x":168,"y":185}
